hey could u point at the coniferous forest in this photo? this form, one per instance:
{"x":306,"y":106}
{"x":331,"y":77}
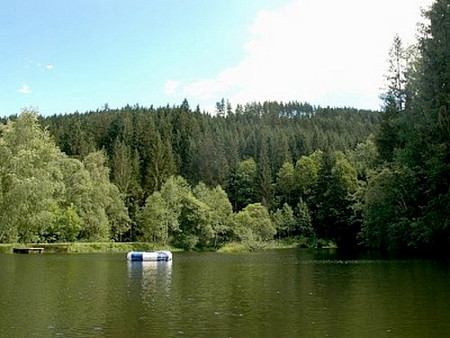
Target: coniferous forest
{"x":266,"y":170}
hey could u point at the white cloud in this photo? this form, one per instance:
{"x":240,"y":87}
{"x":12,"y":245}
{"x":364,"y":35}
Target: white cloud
{"x":206,"y":88}
{"x":320,"y":51}
{"x":24,"y":89}
{"x":171,"y":86}
{"x":32,"y":64}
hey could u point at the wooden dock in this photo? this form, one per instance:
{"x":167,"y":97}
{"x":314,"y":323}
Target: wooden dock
{"x":28,"y":250}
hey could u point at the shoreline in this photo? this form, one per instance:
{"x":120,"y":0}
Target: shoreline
{"x":89,"y":247}
{"x":123,"y":247}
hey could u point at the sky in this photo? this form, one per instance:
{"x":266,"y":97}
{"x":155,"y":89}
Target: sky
{"x":63,"y":56}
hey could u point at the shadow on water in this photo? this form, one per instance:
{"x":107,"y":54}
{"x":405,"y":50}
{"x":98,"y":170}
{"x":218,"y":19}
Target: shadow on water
{"x":377,"y":255}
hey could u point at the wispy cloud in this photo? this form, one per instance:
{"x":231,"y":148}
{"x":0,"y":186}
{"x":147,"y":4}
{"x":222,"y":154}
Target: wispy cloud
{"x":171,"y":86}
{"x":317,"y":51}
{"x":206,"y":88}
{"x":32,"y":64}
{"x":24,"y":89}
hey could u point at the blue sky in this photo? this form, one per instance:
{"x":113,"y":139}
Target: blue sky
{"x":62,"y":56}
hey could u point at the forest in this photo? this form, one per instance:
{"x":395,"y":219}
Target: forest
{"x":262,"y":171}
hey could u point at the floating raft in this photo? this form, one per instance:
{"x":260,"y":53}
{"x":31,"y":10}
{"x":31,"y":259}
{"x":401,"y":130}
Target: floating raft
{"x":151,"y":256}
{"x":28,"y":250}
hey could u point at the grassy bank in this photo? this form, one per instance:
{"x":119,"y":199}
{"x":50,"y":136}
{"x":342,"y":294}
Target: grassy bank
{"x":232,"y":247}
{"x":87,"y":247}
{"x":288,"y":243}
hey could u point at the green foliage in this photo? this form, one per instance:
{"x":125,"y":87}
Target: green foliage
{"x":264,"y":175}
{"x":173,"y":192}
{"x":289,"y":169}
{"x":152,"y":220}
{"x":406,"y":200}
{"x":335,"y":187}
{"x":117,"y":214}
{"x":284,"y":221}
{"x":146,"y":145}
{"x":195,"y":224}
{"x":244,"y":183}
{"x":79,"y":193}
{"x":307,"y":172}
{"x":242,"y":157}
{"x":233,"y":247}
{"x":125,"y":169}
{"x":303,"y":225}
{"x":106,"y":215}
{"x":386,"y":211}
{"x":30,"y":178}
{"x":54,"y":198}
{"x":220,"y":210}
{"x":65,"y":227}
{"x":189,"y":219}
{"x":158,"y":220}
{"x":388,"y":138}
{"x":365,"y":157}
{"x":427,"y":151}
{"x":91,"y":247}
{"x":253,"y":223}
{"x":161,"y":165}
{"x":286,"y":184}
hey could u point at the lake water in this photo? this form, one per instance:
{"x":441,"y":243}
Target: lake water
{"x":280,"y":293}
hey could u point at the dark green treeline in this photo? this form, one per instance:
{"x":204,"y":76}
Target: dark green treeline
{"x":202,"y":148}
{"x":262,"y":153}
{"x":177,"y":175}
{"x":407,"y":200}
{"x":182,"y":177}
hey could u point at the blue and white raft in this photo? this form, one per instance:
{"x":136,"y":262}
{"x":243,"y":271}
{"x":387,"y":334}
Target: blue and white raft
{"x":150,"y":256}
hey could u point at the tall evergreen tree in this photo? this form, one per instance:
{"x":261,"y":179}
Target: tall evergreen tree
{"x":388,"y":137}
{"x":427,"y":129}
{"x":336,"y":184}
{"x":161,"y":163}
{"x":264,"y":174}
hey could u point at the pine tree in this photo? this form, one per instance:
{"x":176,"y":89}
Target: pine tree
{"x":395,"y":97}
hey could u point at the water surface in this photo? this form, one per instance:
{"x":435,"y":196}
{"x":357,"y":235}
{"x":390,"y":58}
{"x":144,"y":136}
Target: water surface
{"x":280,"y":293}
